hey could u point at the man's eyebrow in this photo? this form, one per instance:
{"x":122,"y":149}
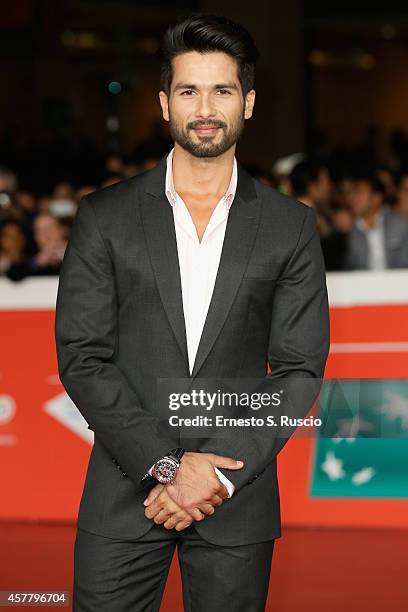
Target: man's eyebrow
{"x":230,"y":85}
{"x":185,"y":86}
{"x":226,"y":86}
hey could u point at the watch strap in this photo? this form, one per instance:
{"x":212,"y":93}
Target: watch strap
{"x":176,"y":453}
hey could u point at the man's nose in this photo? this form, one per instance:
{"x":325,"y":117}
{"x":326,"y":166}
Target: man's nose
{"x":205,"y":108}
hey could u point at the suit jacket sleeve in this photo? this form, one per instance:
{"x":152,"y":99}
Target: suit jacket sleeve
{"x":297,"y":352}
{"x":85,"y":333}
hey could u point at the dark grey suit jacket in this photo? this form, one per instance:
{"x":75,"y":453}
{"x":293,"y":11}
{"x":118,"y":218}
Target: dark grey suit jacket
{"x":120,"y":326}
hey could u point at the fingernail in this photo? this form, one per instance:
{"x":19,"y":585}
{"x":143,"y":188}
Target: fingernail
{"x":145,"y":502}
{"x":240,"y":463}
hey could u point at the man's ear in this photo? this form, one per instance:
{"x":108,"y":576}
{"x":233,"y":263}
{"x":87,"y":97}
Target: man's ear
{"x":164,"y":103}
{"x":249,"y":104}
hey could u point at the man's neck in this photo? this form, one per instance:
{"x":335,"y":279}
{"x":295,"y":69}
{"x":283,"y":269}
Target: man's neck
{"x":371,"y":219}
{"x":202,"y":177}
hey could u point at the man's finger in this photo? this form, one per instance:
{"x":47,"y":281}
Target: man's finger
{"x":207,"y":509}
{"x":153,"y":494}
{"x":182,"y":525}
{"x":197,"y":514}
{"x":155,"y":507}
{"x":222,"y":494}
{"x":216,"y":500}
{"x":176,"y":518}
{"x":225,"y":462}
{"x":162,"y":516}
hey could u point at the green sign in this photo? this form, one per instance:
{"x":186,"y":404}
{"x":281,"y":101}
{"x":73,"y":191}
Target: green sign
{"x":362,"y":448}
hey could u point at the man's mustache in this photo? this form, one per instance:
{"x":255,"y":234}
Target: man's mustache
{"x":195,"y":124}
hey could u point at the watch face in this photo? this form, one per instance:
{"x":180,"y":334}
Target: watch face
{"x":165,"y":470}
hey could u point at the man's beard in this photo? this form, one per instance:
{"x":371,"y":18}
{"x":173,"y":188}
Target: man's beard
{"x":205,"y":147}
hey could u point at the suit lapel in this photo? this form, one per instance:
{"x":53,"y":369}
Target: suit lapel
{"x":158,"y":222}
{"x":157,"y":217}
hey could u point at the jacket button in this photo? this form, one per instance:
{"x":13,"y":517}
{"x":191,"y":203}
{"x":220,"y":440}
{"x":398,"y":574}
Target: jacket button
{"x":113,"y":459}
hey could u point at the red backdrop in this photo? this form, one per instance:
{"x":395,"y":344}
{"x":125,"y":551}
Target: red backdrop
{"x":43,"y":446}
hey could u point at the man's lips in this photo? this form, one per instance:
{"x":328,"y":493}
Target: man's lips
{"x":206,"y":130}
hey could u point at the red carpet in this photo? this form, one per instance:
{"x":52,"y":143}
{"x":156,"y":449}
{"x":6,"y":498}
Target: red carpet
{"x":313,"y":570}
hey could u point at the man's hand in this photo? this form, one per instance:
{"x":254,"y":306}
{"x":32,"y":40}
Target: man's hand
{"x":196,"y":485}
{"x":162,"y":509}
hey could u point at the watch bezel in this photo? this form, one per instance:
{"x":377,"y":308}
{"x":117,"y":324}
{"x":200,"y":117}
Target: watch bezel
{"x":171,"y":462}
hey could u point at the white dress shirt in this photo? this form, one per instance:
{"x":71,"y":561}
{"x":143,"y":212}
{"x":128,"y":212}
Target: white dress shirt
{"x":377,"y":259}
{"x":199,"y":263}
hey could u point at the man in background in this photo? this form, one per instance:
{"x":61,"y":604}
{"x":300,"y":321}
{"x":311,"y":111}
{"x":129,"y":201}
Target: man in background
{"x":379,"y":237}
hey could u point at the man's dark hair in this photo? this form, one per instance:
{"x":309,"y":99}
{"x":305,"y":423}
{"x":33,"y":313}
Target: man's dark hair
{"x":370,"y":177}
{"x":304,"y":173}
{"x":205,"y":34}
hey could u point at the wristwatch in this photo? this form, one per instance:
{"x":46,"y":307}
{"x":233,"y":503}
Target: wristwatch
{"x":165,"y":469}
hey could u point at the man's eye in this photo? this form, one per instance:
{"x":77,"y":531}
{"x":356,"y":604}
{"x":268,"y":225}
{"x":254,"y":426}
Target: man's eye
{"x":187,"y":92}
{"x":223,"y":91}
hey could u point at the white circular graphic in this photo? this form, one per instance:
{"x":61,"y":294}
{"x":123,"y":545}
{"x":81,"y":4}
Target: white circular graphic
{"x":7,"y":409}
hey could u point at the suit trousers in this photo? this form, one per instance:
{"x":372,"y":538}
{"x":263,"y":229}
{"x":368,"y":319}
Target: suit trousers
{"x":114,"y":575}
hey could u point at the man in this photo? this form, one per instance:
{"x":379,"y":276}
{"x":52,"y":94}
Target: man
{"x":311,"y":184}
{"x":192,"y":270}
{"x":379,"y":237}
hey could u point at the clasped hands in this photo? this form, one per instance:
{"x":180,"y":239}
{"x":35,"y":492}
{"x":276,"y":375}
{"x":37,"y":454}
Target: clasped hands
{"x":195,"y":492}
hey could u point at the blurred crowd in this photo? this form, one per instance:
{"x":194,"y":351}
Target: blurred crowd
{"x":34,"y":229}
{"x":362,"y":213}
{"x":361,"y":209}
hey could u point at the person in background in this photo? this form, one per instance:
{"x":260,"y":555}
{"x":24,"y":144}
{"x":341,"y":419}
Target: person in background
{"x":388,"y":180}
{"x":281,"y":170}
{"x":401,"y":200}
{"x":63,"y":190}
{"x":13,"y":246}
{"x":8,"y":180}
{"x":379,"y":237}
{"x":25,"y":201}
{"x":9,"y":207}
{"x":342,"y":188}
{"x":311,"y":184}
{"x":43,"y":203}
{"x":51,"y":240}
